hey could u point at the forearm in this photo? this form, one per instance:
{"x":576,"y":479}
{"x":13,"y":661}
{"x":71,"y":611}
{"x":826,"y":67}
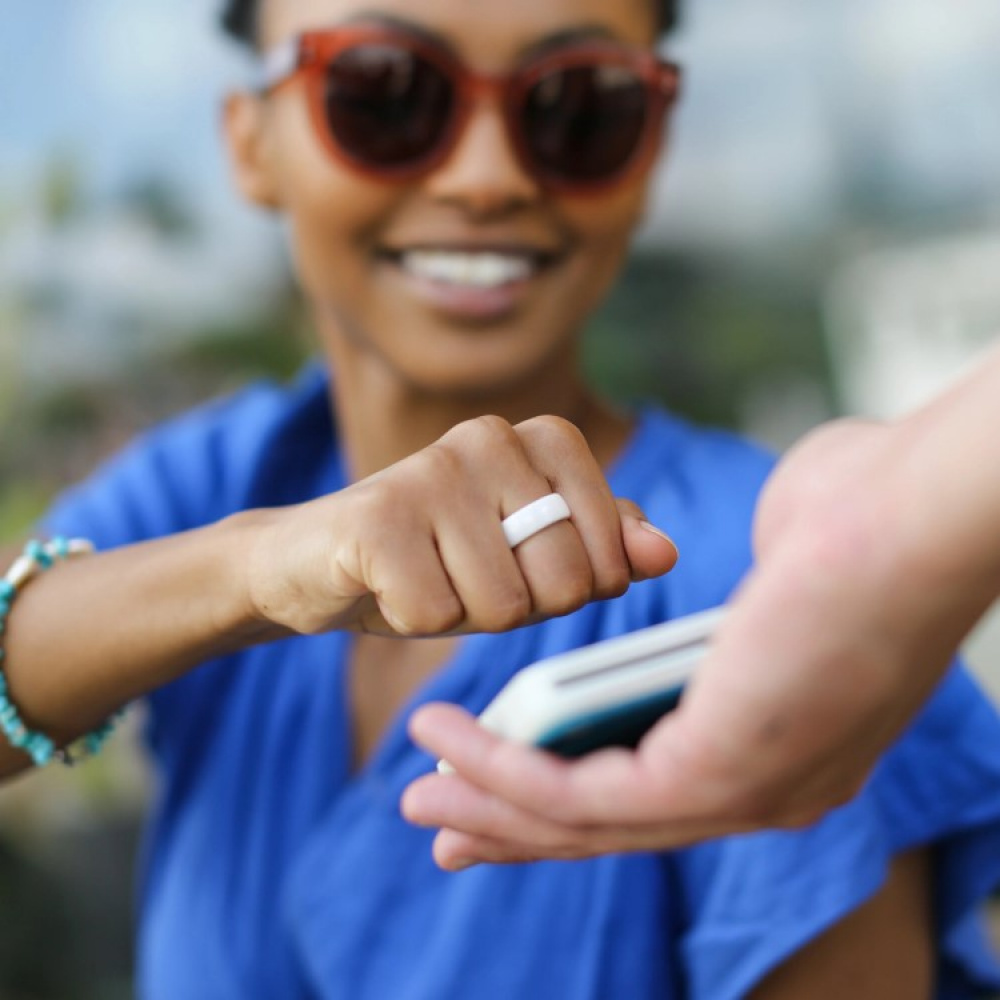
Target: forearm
{"x":878,"y":550}
{"x":953,"y":465}
{"x":94,"y":633}
{"x":417,"y":550}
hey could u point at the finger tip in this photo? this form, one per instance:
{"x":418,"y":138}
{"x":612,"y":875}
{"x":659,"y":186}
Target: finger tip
{"x":425,"y":719}
{"x":409,"y":803}
{"x":448,"y":855}
{"x":456,"y":865}
{"x":651,"y":552}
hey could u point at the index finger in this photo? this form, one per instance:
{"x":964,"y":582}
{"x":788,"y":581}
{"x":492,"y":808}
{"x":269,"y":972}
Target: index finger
{"x":611,"y":786}
{"x":560,"y":453}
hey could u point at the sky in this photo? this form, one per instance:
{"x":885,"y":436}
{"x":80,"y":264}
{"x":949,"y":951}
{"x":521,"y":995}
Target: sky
{"x":780,"y":96}
{"x":785,"y":101}
{"x":127,"y":86}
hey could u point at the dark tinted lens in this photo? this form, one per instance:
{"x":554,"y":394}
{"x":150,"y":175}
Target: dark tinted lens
{"x":387,"y":106}
{"x":584,"y":123}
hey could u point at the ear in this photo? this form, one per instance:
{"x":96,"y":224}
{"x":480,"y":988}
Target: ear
{"x":244,"y":129}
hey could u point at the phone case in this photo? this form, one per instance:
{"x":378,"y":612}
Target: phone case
{"x":607,"y":694}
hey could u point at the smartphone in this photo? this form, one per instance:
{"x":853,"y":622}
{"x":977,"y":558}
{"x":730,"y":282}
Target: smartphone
{"x":607,"y":694}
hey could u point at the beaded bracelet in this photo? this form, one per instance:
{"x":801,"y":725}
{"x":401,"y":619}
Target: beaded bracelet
{"x":36,"y":558}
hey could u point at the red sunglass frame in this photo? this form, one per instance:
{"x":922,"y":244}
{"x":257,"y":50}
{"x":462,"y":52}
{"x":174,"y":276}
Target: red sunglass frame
{"x":308,"y":55}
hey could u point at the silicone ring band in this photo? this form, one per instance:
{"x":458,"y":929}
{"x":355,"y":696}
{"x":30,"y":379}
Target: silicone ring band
{"x":535,"y":517}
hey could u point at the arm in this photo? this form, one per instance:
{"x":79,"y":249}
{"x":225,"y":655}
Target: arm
{"x":91,"y":634}
{"x":878,"y":551}
{"x":417,"y":549}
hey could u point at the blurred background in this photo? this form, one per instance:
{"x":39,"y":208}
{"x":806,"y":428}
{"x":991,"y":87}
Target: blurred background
{"x":825,"y":239}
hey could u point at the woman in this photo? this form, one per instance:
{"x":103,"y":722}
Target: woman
{"x":460,"y":183}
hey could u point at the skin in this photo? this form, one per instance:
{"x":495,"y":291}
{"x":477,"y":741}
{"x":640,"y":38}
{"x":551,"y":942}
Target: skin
{"x":401,"y":364}
{"x":871,"y":569}
{"x":440,"y":421}
{"x":406,"y":372}
{"x":439,"y":414}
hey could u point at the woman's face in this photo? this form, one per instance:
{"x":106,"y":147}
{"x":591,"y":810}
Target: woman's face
{"x":416,"y":277}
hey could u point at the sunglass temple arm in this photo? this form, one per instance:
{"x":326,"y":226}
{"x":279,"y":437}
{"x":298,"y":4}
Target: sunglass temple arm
{"x":276,"y":65}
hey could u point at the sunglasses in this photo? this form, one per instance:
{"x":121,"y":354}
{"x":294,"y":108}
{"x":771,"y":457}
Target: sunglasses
{"x":393,"y":106}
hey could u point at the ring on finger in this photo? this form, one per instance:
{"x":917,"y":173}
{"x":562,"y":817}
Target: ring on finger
{"x":535,"y":517}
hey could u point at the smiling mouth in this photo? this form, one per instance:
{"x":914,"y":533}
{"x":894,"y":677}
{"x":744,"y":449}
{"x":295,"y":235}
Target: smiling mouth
{"x":472,"y":269}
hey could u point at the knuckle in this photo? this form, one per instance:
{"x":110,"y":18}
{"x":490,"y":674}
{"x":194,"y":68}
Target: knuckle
{"x":442,"y":462}
{"x":613,"y":581}
{"x":444,"y":616}
{"x":571,"y":591}
{"x":628,"y":506}
{"x":433,"y":618}
{"x":549,"y":431}
{"x":508,"y":610}
{"x":370,"y":502}
{"x":486,"y":431}
{"x":404,"y":628}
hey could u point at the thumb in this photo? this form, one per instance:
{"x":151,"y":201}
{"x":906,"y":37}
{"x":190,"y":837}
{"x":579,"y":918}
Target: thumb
{"x":651,"y":552}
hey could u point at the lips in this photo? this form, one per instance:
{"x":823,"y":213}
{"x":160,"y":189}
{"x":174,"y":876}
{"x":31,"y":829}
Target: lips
{"x":479,"y":269}
{"x":470,"y":282}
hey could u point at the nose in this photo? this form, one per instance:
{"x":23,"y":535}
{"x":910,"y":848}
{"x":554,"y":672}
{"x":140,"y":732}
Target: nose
{"x":482,"y":173}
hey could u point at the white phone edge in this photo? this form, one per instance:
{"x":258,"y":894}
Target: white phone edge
{"x":624,"y":668}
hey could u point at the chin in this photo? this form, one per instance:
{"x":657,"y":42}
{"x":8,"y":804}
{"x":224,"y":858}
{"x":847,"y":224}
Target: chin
{"x":473,"y":379}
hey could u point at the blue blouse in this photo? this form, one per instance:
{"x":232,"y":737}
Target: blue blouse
{"x":273,"y":871}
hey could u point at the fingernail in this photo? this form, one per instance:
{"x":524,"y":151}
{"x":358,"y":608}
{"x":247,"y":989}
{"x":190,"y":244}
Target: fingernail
{"x":662,"y":534}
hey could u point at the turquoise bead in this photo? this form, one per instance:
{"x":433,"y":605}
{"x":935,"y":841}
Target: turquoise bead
{"x":35,"y":551}
{"x":39,"y":746}
{"x":41,"y":749}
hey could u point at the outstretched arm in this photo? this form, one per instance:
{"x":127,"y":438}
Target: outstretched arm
{"x":878,"y":551}
{"x":417,"y":549}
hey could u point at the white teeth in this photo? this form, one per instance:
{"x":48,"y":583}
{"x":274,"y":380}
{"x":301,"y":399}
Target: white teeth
{"x":480,"y":270}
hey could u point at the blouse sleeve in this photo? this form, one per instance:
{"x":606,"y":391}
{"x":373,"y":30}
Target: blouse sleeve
{"x":187,"y":473}
{"x":178,"y":476}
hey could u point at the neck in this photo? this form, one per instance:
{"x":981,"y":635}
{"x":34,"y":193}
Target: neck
{"x":383,"y":419}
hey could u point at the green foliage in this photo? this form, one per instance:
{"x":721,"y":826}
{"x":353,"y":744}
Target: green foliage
{"x":21,"y":503}
{"x":62,"y":189}
{"x":700,"y":335}
{"x":272,"y":347}
{"x":159,"y":204}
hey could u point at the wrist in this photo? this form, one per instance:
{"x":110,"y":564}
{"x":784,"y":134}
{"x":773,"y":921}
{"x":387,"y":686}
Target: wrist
{"x":941,"y":568}
{"x":948,"y":510}
{"x":248,"y":617}
{"x":285,"y":584}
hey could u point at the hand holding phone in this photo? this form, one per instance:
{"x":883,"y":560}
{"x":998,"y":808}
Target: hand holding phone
{"x":607,"y":694}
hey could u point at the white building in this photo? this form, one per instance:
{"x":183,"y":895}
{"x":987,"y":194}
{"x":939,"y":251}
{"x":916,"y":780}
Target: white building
{"x":905,"y":323}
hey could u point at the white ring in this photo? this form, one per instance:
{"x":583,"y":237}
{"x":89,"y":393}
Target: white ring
{"x":535,"y":517}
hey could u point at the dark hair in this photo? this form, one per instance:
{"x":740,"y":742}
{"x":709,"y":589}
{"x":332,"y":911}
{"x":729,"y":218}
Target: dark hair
{"x":239,"y":18}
